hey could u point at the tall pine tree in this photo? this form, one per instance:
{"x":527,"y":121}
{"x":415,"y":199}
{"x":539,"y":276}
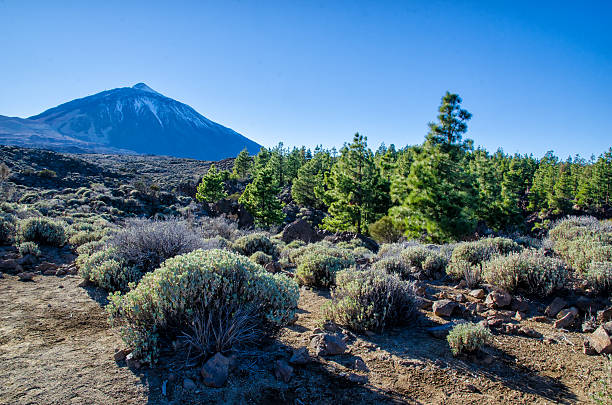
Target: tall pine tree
{"x":260,"y":199}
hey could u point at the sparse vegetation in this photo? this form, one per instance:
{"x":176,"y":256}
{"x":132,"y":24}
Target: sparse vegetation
{"x":42,"y":230}
{"x":467,"y":338}
{"x":371,"y":300}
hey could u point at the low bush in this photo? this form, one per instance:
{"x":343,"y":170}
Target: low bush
{"x":255,"y":242}
{"x":371,"y":300}
{"x":421,"y":258}
{"x":528,"y":271}
{"x":393,"y":265}
{"x":7,"y":229}
{"x":108,"y":270}
{"x":29,"y":248}
{"x":324,"y":248}
{"x":581,"y":241}
{"x":146,"y":243}
{"x":219,"y":226}
{"x":44,"y":231}
{"x":90,"y":247}
{"x":462,"y":269}
{"x":467,"y":338}
{"x":261,"y":258}
{"x":319,"y":269}
{"x":201,"y":283}
{"x":599,"y":277}
{"x":482,"y":250}
{"x":83,"y":237}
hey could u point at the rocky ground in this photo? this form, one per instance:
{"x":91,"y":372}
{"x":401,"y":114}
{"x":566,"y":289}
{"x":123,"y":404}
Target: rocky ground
{"x":56,"y":348}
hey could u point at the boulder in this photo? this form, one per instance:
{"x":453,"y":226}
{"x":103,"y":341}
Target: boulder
{"x":444,"y":307}
{"x":47,"y":268}
{"x":300,"y":356}
{"x":26,"y":276}
{"x":600,"y":341}
{"x":283,"y":371}
{"x":478,"y":293}
{"x":360,"y":365}
{"x":299,"y":230}
{"x":215,"y":371}
{"x":120,"y":355}
{"x":604,"y":315}
{"x":498,"y":299}
{"x":519,"y":305}
{"x":10,"y":266}
{"x":358,"y":379}
{"x":327,"y":344}
{"x":555,"y":307}
{"x":567,"y":320}
{"x":440,"y":332}
{"x":189,"y":384}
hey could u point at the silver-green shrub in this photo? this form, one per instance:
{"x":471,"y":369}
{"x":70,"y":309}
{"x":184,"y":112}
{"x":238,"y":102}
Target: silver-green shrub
{"x":44,"y":231}
{"x":108,"y":270}
{"x":529,"y":271}
{"x":255,"y":242}
{"x":482,"y":250}
{"x":581,"y":241}
{"x":7,"y":228}
{"x":371,"y":300}
{"x":317,"y":269}
{"x":163,"y":304}
{"x":29,"y":248}
{"x":599,"y":277}
{"x":261,"y":258}
{"x":467,"y":338}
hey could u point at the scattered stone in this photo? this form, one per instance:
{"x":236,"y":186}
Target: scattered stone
{"x":462,"y":284}
{"x":555,"y":307}
{"x":331,"y":327}
{"x":420,"y":289}
{"x":120,"y":355}
{"x":478,"y":293}
{"x":360,"y":365}
{"x":588,"y":326}
{"x":300,"y":356}
{"x":440,"y":332}
{"x":564,"y":322}
{"x":529,"y":332}
{"x":45,"y":267}
{"x":519,"y":316}
{"x":189,"y":384}
{"x":132,"y":361}
{"x":510,"y":328}
{"x":283,"y":371}
{"x":215,"y":371}
{"x":540,"y":319}
{"x":26,"y":276}
{"x":587,"y":349}
{"x":358,"y":379}
{"x":444,"y":307}
{"x":519,"y":305}
{"x":608,"y":327}
{"x":585,"y":304}
{"x":604,"y":315}
{"x":494,"y":322}
{"x":459,"y":298}
{"x":550,"y":340}
{"x":10,"y":266}
{"x":498,"y":299}
{"x":326,"y":344}
{"x":425,"y":304}
{"x":600,"y":341}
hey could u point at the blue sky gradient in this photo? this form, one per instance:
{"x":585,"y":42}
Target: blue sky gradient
{"x":535,"y":77}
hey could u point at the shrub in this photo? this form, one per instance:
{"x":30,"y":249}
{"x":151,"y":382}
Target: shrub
{"x":42,"y":230}
{"x":393,"y":265}
{"x":529,"y":271}
{"x":421,"y":258}
{"x":385,"y":230}
{"x":108,"y":270}
{"x":467,"y":338}
{"x":581,"y":241}
{"x":261,"y":258}
{"x":7,"y":228}
{"x":472,"y":274}
{"x":29,"y":248}
{"x":219,"y":226}
{"x":216,"y":242}
{"x":90,"y":247}
{"x":164,"y":303}
{"x":255,"y":242}
{"x":324,"y":248}
{"x":371,"y":300}
{"x":482,"y":250}
{"x":599,"y":276}
{"x":83,"y":237}
{"x":319,"y":270}
{"x":146,"y":243}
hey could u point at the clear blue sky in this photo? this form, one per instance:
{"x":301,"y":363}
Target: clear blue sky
{"x":536,"y":75}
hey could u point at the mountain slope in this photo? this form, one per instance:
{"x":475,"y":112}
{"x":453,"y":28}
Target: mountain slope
{"x":142,"y":120}
{"x":33,"y":134}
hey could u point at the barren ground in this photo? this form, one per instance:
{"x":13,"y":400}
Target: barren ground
{"x":56,"y":348}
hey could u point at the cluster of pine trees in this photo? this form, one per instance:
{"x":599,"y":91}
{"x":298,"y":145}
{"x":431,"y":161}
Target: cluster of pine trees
{"x":437,"y":191}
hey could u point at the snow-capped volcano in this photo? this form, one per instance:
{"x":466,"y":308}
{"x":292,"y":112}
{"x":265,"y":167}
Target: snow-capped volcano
{"x":142,"y":120}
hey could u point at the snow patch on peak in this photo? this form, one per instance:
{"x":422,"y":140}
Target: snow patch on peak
{"x":144,"y":87}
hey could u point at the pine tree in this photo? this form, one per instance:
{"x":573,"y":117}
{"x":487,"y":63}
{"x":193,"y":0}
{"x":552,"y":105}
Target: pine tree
{"x":210,"y":188}
{"x":355,"y":189}
{"x":439,"y":199}
{"x":260,"y":199}
{"x":242,"y":165}
{"x":261,"y":160}
{"x":308,"y":187}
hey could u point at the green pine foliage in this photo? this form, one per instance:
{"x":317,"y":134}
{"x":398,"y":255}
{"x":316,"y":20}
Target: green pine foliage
{"x":242,"y":165}
{"x":260,"y":199}
{"x":211,"y":188}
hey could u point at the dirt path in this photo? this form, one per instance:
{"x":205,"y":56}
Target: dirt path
{"x":56,"y":347}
